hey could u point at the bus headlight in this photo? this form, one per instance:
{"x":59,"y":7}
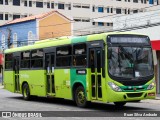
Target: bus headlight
{"x":151,"y":86}
{"x":114,"y":87}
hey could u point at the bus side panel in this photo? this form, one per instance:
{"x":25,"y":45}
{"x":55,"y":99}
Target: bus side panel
{"x":78,"y":78}
{"x":36,"y":80}
{"x":62,"y":83}
{"x":9,"y":81}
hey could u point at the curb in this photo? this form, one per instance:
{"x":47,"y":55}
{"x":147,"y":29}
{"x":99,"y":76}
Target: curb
{"x":1,"y":86}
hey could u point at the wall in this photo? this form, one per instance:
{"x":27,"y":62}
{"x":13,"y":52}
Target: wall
{"x":21,"y":29}
{"x":49,"y":28}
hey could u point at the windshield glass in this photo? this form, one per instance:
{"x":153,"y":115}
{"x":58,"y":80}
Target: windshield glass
{"x":130,"y":62}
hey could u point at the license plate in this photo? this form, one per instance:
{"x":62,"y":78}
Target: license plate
{"x":151,"y":94}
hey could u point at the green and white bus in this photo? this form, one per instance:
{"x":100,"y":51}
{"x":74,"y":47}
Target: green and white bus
{"x":108,"y":67}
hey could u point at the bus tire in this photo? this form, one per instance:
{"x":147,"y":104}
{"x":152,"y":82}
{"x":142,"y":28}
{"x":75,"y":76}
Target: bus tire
{"x":80,"y":97}
{"x":26,"y":92}
{"x":119,"y":104}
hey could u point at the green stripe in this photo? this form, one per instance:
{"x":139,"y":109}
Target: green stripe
{"x":79,"y":39}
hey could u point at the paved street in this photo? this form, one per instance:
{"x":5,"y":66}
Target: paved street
{"x":14,"y":102}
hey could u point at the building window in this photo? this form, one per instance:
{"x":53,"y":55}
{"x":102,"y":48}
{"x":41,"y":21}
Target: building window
{"x":6,"y":2}
{"x":25,"y":3}
{"x":16,"y":16}
{"x":125,"y":11}
{"x":93,"y":23}
{"x":69,"y":7}
{"x":52,"y":5}
{"x":30,"y":38}
{"x":135,"y":1}
{"x":151,"y":1}
{"x":145,"y":1}
{"x":128,"y":11}
{"x":93,"y":8}
{"x":77,"y":5}
{"x":1,"y":1}
{"x":30,"y":3}
{"x":107,"y":10}
{"x":108,"y":24}
{"x":86,"y":20}
{"x":118,"y":11}
{"x":77,"y":19}
{"x":111,"y":10}
{"x":16,"y":2}
{"x":100,"y":9}
{"x":1,"y":16}
{"x":6,"y":16}
{"x":86,"y":6}
{"x":100,"y":24}
{"x":60,"y":6}
{"x":135,"y":11}
{"x":48,"y":4}
{"x":39,"y":4}
{"x":15,"y":39}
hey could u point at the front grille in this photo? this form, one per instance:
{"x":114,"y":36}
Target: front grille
{"x":134,"y":94}
{"x":133,"y":89}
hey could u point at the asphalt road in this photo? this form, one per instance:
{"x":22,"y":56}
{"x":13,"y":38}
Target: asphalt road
{"x":66,"y":109}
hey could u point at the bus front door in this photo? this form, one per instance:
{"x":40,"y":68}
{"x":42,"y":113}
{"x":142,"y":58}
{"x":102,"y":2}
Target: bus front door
{"x":16,"y":74}
{"x":49,"y":63}
{"x":95,"y":64}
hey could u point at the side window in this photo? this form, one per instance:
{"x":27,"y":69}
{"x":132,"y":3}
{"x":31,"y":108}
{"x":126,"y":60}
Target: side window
{"x":8,"y":61}
{"x":37,"y":58}
{"x":3,"y":41}
{"x":25,"y":59}
{"x":79,"y":55}
{"x":63,"y":56}
{"x":15,"y":40}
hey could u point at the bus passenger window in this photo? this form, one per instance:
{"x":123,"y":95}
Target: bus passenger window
{"x":8,"y":61}
{"x":63,"y":56}
{"x":37,"y":58}
{"x":79,"y":55}
{"x":25,"y":59}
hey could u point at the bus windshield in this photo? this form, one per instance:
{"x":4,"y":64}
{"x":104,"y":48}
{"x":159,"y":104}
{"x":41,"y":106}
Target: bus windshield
{"x":130,"y":62}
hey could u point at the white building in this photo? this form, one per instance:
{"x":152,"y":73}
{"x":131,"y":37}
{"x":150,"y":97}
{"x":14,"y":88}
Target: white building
{"x":144,"y":23}
{"x":83,"y":12}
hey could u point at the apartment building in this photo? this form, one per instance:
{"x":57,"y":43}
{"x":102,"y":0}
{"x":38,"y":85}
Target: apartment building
{"x":87,"y":14}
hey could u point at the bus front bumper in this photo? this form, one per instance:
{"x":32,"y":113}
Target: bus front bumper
{"x":130,"y":96}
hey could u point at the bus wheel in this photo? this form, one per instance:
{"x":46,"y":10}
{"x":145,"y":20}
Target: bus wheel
{"x":26,"y":92}
{"x":120,"y":104}
{"x":80,"y":98}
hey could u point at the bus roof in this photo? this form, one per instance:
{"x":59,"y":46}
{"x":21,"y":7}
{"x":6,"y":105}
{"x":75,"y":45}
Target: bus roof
{"x":63,"y":41}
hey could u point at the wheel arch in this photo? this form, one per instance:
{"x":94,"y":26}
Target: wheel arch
{"x":23,"y":84}
{"x":75,"y":85}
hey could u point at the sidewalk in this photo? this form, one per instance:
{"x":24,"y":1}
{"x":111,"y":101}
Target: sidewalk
{"x":158,"y":97}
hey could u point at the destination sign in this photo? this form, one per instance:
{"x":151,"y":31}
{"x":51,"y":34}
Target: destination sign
{"x":129,"y":39}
